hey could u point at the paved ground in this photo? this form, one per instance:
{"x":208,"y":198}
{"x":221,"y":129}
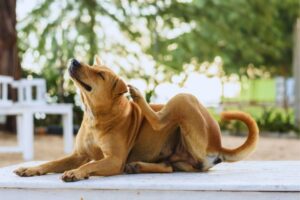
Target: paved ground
{"x":48,"y":147}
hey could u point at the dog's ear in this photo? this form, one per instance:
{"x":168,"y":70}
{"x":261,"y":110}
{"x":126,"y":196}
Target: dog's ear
{"x":97,"y":60}
{"x":121,"y":87}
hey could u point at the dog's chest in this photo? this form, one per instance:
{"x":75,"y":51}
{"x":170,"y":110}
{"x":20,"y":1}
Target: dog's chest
{"x":90,"y":146}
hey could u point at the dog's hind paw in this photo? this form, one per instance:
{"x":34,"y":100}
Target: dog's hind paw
{"x":135,"y":93}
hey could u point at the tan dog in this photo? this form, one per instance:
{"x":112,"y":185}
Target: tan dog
{"x":118,"y":135}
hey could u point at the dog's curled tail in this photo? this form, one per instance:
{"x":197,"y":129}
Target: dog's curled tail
{"x":232,"y":155}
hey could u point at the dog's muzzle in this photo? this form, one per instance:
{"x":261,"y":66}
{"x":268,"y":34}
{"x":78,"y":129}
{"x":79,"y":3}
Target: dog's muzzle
{"x":74,"y":66}
{"x":75,"y":63}
{"x":73,"y":69}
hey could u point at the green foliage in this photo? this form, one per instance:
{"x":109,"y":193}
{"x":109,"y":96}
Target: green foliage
{"x":271,"y":120}
{"x":173,"y":33}
{"x":241,"y":32}
{"x":56,"y":31}
{"x":275,"y":121}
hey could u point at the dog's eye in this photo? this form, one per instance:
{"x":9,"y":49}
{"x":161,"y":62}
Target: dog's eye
{"x":101,"y":74}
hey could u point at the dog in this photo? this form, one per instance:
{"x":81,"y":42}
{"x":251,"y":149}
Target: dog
{"x":118,"y":134}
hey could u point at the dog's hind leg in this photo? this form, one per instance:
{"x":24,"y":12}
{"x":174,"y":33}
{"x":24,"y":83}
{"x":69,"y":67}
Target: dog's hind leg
{"x":157,"y":120}
{"x":184,"y":166}
{"x":143,"y":167}
{"x":182,"y":110}
{"x":57,"y":166}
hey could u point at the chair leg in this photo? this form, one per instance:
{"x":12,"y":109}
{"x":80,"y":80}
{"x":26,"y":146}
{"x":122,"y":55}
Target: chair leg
{"x":20,"y":137}
{"x":68,"y":132}
{"x":27,"y":135}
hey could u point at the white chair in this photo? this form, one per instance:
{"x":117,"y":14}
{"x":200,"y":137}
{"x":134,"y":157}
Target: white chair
{"x":31,"y":91}
{"x":31,"y":100}
{"x":5,"y":81}
{"x":6,"y":109}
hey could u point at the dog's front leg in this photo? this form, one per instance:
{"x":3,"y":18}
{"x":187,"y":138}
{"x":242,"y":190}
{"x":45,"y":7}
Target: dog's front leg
{"x":106,"y":167}
{"x":57,"y":166}
{"x":157,"y":120}
{"x":115,"y":151}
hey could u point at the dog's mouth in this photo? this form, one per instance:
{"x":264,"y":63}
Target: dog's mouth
{"x":73,"y":74}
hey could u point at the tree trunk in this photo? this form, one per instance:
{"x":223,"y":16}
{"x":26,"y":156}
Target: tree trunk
{"x":9,"y":61}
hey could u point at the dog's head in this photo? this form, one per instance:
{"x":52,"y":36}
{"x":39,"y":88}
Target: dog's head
{"x":99,"y":86}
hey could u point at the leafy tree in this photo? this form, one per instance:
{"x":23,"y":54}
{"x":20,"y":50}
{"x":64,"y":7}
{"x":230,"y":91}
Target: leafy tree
{"x":242,"y":32}
{"x":56,"y":31}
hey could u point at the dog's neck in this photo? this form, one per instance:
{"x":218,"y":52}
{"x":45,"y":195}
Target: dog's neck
{"x":107,"y":117}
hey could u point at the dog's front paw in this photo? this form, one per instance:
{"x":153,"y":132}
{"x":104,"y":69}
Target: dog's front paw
{"x":135,"y":93}
{"x":29,"y":171}
{"x":74,"y":175}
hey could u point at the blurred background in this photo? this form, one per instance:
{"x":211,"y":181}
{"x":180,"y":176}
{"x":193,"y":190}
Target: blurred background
{"x":230,"y":54}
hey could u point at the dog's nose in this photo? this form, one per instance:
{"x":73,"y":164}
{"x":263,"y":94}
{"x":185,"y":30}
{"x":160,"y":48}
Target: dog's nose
{"x":75,"y":63}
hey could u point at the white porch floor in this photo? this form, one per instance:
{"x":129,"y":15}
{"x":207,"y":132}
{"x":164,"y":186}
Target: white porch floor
{"x":241,"y":180}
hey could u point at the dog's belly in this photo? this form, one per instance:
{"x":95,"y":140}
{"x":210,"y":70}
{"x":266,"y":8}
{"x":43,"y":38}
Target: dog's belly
{"x":152,"y":146}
